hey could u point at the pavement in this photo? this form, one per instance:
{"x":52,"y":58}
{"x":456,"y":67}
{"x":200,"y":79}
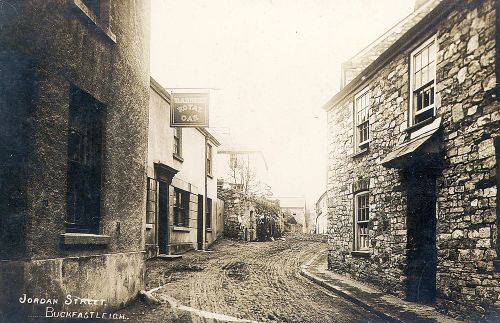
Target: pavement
{"x":386,"y":306}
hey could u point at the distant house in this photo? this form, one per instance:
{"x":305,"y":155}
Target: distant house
{"x":413,"y":169}
{"x":182,"y":208}
{"x":243,"y":169}
{"x":296,"y":206}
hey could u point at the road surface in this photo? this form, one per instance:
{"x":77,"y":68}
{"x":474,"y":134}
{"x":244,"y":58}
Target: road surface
{"x":245,"y":282}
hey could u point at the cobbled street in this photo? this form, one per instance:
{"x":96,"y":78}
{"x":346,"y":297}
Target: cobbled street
{"x":251,"y":281}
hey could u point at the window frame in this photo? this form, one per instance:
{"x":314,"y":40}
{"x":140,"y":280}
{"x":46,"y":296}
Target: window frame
{"x":411,"y":106}
{"x":360,"y":146}
{"x":84,"y":106}
{"x":177,"y":135}
{"x":100,"y":19}
{"x":151,"y":200}
{"x":209,"y":160}
{"x":181,"y":207}
{"x":357,"y":222}
{"x":94,"y":6}
{"x":208,"y":213}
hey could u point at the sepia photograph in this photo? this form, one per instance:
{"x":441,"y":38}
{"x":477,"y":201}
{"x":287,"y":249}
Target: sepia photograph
{"x":288,"y":161}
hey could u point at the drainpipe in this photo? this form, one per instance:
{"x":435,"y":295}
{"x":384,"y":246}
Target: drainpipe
{"x":204,"y":231}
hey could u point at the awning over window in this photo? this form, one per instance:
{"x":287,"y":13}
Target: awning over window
{"x":419,"y":145}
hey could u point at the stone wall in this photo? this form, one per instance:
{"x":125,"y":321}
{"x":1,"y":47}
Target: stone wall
{"x":233,"y":208}
{"x":467,"y":283}
{"x":243,"y":213}
{"x":467,"y":213}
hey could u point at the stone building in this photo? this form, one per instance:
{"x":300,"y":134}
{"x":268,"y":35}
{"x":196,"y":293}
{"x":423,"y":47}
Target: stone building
{"x":73,"y":123}
{"x":413,"y":171}
{"x":183,"y":212}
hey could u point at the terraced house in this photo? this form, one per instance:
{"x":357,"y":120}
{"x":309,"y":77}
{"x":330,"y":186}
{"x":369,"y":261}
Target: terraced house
{"x":182,"y":211}
{"x":413,"y":150}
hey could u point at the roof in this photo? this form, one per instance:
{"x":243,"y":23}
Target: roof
{"x":381,"y":51}
{"x":367,"y":55}
{"x":291,"y":202}
{"x":166,"y":96}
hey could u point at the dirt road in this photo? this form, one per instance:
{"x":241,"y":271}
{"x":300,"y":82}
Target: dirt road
{"x":254,"y":281}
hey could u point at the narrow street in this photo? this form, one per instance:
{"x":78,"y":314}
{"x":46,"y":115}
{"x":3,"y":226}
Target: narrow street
{"x":251,"y":281}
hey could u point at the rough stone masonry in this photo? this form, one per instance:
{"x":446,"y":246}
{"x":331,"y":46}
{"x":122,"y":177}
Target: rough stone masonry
{"x":466,"y":220}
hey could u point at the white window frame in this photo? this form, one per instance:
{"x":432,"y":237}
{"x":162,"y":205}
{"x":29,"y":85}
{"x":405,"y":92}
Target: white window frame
{"x":357,"y":144}
{"x":177,"y":132}
{"x":357,"y":246}
{"x":209,"y":160}
{"x":411,"y":113}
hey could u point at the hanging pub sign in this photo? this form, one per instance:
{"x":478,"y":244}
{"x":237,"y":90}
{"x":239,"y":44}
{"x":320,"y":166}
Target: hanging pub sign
{"x":189,"y":110}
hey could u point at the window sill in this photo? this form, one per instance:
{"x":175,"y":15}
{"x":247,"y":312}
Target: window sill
{"x":93,"y":19}
{"x":208,"y":229}
{"x":182,"y":229}
{"x":177,"y":157}
{"x":361,"y":253}
{"x":360,"y":153}
{"x":149,"y":225}
{"x":73,"y":239}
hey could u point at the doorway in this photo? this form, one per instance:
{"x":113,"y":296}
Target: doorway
{"x":421,"y":241}
{"x":163,"y":217}
{"x":200,"y":222}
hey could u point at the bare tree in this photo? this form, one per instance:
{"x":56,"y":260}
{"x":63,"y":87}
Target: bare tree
{"x":243,"y":175}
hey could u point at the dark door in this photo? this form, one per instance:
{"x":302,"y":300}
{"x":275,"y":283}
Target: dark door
{"x":421,"y":242}
{"x":200,"y":222}
{"x":163,"y":217}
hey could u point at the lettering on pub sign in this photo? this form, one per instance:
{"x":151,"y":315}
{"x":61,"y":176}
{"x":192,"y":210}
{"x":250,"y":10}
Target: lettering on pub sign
{"x":189,"y":110}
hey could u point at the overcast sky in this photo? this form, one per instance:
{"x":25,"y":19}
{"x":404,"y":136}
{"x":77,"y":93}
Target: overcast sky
{"x":274,"y":64}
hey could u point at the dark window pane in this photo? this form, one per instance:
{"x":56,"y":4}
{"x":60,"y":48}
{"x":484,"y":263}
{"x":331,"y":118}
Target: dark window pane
{"x":181,"y":207}
{"x":362,"y":115}
{"x":362,"y":205}
{"x":208,"y":221}
{"x":424,"y":116}
{"x":84,"y":163}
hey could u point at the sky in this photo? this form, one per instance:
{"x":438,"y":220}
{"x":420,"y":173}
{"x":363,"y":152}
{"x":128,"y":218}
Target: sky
{"x":270,"y":66}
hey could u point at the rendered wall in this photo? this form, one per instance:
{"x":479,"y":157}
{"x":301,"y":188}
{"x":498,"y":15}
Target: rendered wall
{"x":50,"y":46}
